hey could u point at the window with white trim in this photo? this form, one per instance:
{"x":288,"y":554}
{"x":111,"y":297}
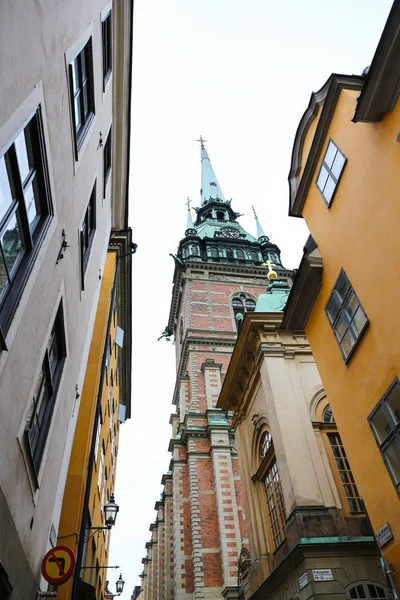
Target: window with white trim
{"x":82,"y":93}
{"x":331,"y":169}
{"x":45,"y":392}
{"x":345,"y":315}
{"x":25,"y":214}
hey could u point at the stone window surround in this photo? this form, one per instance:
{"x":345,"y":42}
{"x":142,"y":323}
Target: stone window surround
{"x":325,"y":430}
{"x":34,"y":478}
{"x":265,"y":466}
{"x":70,"y":55}
{"x":17,"y":121}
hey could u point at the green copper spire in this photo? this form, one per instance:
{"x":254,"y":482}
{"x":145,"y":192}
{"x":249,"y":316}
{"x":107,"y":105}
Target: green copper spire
{"x":189,"y":217}
{"x":210,"y":188}
{"x":260,"y":230}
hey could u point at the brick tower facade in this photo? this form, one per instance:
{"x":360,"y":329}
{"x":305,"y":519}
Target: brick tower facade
{"x":200,"y":525}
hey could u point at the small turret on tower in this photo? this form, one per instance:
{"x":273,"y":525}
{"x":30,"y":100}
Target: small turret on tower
{"x":260,"y":231}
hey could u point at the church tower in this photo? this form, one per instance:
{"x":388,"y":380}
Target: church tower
{"x":200,"y":526}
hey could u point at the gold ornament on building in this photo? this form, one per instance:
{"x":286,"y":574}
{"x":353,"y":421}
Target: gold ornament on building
{"x":271,"y":273}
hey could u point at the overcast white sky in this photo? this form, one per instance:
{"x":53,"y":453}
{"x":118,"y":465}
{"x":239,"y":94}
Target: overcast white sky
{"x":240,"y":73}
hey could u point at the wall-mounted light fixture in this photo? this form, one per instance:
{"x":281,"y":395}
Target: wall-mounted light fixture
{"x":64,"y":246}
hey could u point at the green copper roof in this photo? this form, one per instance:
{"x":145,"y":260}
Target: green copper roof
{"x":274,"y":299}
{"x":207,"y":229}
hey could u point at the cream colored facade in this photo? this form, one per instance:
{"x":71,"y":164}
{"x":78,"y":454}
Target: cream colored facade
{"x":300,"y":517}
{"x":39,"y":42}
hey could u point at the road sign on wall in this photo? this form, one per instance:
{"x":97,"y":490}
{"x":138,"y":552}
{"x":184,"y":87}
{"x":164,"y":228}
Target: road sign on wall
{"x":58,"y":565}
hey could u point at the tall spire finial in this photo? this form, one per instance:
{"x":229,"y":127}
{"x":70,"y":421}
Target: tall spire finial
{"x":210,"y":188}
{"x":189,"y":219}
{"x":260,"y":231}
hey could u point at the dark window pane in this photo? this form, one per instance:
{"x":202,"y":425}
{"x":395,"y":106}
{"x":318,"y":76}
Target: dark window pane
{"x":381,"y":423}
{"x":342,"y":286}
{"x":393,"y":402}
{"x":4,"y":281}
{"x":333,"y":306}
{"x":361,"y":591}
{"x":353,"y":593}
{"x":392,"y":454}
{"x":341,"y":326}
{"x":381,"y":592}
{"x":5,"y":189}
{"x":12,"y":245}
{"x":372,"y":591}
{"x":237,"y":302}
{"x":351,"y":305}
{"x":328,"y":415}
{"x":347,"y":343}
{"x":359,"y":321}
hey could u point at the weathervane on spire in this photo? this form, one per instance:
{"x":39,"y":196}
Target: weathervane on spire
{"x":188,"y":203}
{"x":254,"y":211}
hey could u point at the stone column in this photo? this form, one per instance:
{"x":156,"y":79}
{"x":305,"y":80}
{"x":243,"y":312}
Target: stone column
{"x":182,"y":556}
{"x":212,"y":377}
{"x":161,"y":549}
{"x":184,"y":398}
{"x":197,"y":555}
{"x":295,"y":444}
{"x":228,"y":521}
{"x":168,"y":539}
{"x":149,"y":571}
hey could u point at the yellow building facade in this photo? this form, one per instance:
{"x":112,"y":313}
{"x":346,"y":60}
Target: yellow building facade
{"x":344,"y":182}
{"x":104,"y":405}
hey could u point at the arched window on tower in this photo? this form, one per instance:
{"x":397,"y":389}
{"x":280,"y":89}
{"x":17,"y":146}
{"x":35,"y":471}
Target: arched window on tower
{"x":268,"y":473}
{"x":229,"y":253}
{"x":240,"y":254}
{"x":214,"y":252}
{"x":250,"y":305}
{"x":208,"y":215}
{"x":339,"y":463}
{"x":220,"y":215}
{"x":242,"y":304}
{"x":254,"y":257}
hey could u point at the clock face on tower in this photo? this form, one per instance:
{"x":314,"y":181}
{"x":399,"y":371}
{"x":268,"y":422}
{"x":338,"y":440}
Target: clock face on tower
{"x":229,"y":232}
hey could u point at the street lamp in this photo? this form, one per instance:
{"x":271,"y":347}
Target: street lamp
{"x":120,"y":584}
{"x":111,"y":510}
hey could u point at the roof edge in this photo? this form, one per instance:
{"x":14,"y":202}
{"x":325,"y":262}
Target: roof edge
{"x":382,"y":84}
{"x":327,"y":96}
